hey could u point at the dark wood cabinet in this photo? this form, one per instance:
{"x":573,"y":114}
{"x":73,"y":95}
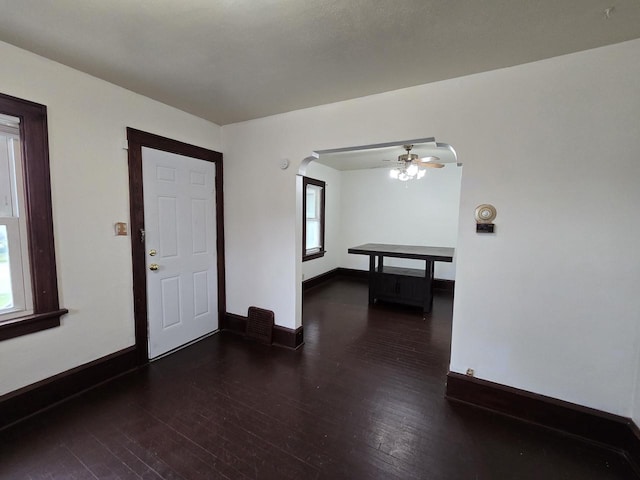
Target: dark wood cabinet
{"x":407,"y":286}
{"x":401,"y":285}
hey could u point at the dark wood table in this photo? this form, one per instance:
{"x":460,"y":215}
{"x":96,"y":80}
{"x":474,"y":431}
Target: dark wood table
{"x":408,"y":286}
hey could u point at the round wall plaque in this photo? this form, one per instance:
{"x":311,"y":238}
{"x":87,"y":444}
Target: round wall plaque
{"x":485,"y":213}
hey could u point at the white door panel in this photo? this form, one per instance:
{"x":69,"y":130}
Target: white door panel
{"x":179,"y":212}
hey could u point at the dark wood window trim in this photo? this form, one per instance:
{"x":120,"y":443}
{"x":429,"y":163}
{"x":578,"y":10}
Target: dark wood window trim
{"x":44,"y":280}
{"x":319,"y":183}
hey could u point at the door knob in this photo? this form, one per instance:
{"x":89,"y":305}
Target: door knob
{"x":153,"y":267}
{"x":153,"y":252}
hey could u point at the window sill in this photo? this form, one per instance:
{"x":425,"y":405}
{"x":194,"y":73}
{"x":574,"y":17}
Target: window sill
{"x":311,"y":256}
{"x":30,"y":324}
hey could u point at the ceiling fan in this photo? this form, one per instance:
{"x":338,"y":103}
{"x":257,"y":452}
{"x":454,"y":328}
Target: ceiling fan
{"x":411,"y":166}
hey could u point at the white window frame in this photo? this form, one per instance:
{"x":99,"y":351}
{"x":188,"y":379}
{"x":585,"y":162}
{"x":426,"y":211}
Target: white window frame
{"x":16,"y":226}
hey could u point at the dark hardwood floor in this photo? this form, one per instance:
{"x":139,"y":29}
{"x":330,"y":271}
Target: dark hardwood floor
{"x":363,"y":399}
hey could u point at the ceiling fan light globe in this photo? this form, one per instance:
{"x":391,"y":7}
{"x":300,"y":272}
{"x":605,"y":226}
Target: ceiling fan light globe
{"x":412,"y":170}
{"x":393,"y":173}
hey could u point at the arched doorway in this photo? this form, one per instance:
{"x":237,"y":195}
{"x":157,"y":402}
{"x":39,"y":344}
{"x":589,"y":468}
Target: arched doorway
{"x":363,"y":204}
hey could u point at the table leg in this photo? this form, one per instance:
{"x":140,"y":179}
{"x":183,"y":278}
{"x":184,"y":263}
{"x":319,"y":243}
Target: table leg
{"x":428,"y":299}
{"x":372,"y":270}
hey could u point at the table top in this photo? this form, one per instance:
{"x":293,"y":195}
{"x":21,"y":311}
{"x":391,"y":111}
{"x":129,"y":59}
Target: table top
{"x":419,"y":252}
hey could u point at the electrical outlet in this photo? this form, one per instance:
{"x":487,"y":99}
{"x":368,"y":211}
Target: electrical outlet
{"x":470,"y":372}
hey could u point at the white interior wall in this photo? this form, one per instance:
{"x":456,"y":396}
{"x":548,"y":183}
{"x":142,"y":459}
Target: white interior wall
{"x":366,"y":206}
{"x":635,"y":404}
{"x":547,"y":304}
{"x":87,"y":119}
{"x":378,"y":209}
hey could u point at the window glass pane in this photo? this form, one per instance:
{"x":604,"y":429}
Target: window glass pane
{"x":312,"y":196}
{"x":313,"y":234}
{"x":6,"y":296}
{"x":6,"y":176}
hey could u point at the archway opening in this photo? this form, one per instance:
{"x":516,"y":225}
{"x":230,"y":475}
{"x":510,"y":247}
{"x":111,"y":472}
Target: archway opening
{"x":364,"y":204}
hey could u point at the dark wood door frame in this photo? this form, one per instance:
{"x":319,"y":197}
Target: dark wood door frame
{"x":138,"y":139}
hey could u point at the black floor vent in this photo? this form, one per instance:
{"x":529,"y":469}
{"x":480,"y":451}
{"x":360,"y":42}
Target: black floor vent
{"x":260,"y":325}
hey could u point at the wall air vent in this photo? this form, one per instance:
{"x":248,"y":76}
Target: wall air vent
{"x":260,"y":325}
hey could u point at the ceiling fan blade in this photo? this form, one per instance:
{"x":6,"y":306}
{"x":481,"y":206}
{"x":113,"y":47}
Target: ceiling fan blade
{"x":430,"y":162}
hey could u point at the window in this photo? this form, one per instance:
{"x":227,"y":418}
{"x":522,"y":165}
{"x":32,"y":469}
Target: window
{"x":28,"y":280}
{"x":313,"y":218}
{"x":15,"y":276}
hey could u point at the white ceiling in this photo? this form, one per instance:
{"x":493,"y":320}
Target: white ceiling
{"x":234,"y":60}
{"x":385,"y":155}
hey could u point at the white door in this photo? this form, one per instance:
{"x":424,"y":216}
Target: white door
{"x":180,"y":243}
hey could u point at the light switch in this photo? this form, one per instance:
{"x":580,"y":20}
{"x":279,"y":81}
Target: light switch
{"x":121,"y":229}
